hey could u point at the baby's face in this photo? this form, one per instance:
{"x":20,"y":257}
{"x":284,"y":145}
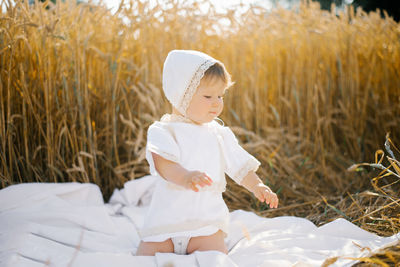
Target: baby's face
{"x":207,"y":103}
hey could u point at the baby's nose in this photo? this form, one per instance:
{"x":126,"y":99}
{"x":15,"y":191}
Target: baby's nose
{"x":216,"y":102}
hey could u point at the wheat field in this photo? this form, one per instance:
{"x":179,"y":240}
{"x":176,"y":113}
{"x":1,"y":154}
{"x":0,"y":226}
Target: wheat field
{"x":315,"y":92}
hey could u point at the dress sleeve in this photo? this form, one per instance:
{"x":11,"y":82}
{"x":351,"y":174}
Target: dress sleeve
{"x":161,"y":142}
{"x":238,"y":162}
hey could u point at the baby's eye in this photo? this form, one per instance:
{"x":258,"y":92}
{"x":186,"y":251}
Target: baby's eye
{"x":221,"y":97}
{"x":207,"y":96}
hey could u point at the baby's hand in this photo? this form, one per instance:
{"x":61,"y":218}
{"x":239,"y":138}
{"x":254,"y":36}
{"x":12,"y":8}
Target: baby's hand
{"x":265,"y":194}
{"x":194,"y":178}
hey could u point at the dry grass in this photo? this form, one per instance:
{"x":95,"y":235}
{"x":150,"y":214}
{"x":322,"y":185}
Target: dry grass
{"x":314,"y":94}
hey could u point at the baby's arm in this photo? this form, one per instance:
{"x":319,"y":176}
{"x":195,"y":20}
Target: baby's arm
{"x":254,"y":184}
{"x":175,"y":173}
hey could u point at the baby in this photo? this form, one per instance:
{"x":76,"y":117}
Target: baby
{"x":191,"y":152}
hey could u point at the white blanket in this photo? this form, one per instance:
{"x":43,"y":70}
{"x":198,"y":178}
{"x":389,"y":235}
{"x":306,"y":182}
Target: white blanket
{"x":69,"y":225}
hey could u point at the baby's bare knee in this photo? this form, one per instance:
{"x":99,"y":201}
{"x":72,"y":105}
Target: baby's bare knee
{"x":205,"y":243}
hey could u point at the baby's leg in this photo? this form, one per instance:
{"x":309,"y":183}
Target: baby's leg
{"x":211,"y":242}
{"x":150,"y":248}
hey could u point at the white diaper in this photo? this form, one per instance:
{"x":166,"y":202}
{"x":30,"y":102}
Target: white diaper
{"x":180,"y":244}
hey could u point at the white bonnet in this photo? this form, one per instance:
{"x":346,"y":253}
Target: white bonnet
{"x":182,"y":72}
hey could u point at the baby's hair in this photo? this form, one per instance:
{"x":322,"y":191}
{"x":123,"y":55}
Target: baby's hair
{"x":218,"y":70}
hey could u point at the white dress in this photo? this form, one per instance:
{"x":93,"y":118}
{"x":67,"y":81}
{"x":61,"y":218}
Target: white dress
{"x":211,"y":148}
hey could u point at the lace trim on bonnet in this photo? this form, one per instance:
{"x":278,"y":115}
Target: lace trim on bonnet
{"x":193,"y":84}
